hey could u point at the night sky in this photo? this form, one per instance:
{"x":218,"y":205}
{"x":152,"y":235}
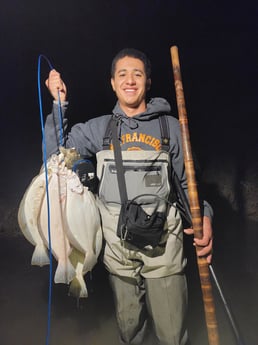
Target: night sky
{"x":217,"y":44}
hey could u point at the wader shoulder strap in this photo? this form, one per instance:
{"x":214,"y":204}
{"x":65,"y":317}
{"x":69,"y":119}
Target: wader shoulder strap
{"x":164,"y":130}
{"x":119,"y":162}
{"x":107,"y":136}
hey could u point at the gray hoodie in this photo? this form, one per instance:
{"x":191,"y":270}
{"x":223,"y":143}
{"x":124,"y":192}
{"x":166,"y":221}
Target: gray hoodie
{"x":140,"y":132}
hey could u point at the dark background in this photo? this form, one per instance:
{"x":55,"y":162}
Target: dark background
{"x":218,"y":53}
{"x":217,"y":44}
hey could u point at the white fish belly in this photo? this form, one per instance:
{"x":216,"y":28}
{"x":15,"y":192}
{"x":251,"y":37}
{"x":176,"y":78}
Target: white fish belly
{"x":83,"y":222}
{"x":28,"y":213}
{"x":59,"y":243}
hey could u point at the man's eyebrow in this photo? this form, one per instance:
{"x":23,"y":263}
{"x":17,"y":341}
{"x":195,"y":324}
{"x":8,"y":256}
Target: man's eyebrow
{"x":135,"y":70}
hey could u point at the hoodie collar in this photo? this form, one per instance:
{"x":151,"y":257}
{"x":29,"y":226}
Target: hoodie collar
{"x":154,"y":107}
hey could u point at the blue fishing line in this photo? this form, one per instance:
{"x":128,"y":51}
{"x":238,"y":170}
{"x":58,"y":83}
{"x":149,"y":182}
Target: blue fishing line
{"x":47,"y":190}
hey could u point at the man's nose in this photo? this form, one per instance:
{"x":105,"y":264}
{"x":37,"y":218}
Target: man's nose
{"x":130,"y":79}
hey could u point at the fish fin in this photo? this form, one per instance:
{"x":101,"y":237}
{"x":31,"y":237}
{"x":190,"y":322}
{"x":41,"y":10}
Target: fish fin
{"x":40,"y":256}
{"x":65,"y":272}
{"x":89,"y":262}
{"x":78,"y":288}
{"x":76,"y":257}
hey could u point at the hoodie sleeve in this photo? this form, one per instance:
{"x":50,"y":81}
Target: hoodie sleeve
{"x":86,"y":138}
{"x":177,"y":158}
{"x":52,"y":128}
{"x":176,"y":151}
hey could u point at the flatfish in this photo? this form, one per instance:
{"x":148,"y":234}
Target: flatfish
{"x":83,"y":221}
{"x":60,"y":245}
{"x":28,"y":213}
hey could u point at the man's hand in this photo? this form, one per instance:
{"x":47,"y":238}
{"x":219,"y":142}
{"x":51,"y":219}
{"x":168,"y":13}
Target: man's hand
{"x":55,"y":84}
{"x":206,"y":242}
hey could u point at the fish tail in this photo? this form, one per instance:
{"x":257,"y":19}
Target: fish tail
{"x":89,"y":262}
{"x":40,"y":256}
{"x":65,"y":272}
{"x":78,"y":288}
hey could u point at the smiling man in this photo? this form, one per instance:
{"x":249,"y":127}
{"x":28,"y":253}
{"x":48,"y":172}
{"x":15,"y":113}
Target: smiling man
{"x":130,"y":83}
{"x":148,"y":281}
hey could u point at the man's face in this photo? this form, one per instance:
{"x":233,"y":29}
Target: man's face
{"x":130,"y":84}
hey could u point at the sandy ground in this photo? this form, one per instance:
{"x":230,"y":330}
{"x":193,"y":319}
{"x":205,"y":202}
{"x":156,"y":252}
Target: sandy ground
{"x":24,"y":298}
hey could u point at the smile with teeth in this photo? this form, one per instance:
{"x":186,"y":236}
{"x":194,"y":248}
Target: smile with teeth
{"x":130,"y":90}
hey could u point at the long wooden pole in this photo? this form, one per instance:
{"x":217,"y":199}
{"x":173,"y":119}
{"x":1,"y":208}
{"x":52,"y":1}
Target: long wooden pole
{"x":203,"y":266}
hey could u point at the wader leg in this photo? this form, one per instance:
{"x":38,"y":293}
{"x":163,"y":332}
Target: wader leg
{"x":131,"y":311}
{"x":167,"y":304}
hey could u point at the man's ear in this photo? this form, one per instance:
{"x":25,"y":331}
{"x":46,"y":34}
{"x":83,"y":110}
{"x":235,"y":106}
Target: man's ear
{"x":112,"y":84}
{"x":148,"y":84}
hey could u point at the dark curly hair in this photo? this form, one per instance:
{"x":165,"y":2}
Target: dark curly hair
{"x":131,"y":52}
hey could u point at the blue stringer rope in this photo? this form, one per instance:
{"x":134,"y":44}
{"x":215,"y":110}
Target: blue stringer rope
{"x":47,"y":190}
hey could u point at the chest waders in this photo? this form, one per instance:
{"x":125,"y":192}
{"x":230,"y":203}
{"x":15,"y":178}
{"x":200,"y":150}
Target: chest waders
{"x":140,"y":183}
{"x":143,"y":183}
{"x":134,"y":271}
{"x":148,"y":181}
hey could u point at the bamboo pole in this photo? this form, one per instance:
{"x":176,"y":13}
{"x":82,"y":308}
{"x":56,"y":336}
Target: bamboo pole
{"x":203,"y":265}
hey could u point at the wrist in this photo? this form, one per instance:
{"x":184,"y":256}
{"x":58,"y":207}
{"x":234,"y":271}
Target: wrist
{"x":62,"y":102}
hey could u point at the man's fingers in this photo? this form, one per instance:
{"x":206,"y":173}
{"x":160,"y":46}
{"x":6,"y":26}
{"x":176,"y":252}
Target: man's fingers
{"x":204,"y":250}
{"x":55,"y":84}
{"x":202,"y":242}
{"x":188,"y":231}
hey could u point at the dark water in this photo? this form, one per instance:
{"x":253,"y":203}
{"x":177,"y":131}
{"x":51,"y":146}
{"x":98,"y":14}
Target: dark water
{"x":24,"y":299}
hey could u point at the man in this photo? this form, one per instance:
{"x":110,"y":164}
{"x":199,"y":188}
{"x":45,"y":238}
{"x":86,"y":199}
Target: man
{"x":147,"y":281}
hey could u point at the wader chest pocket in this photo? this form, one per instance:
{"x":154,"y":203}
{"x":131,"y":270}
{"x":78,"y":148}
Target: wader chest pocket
{"x":143,"y":176}
{"x":151,"y":179}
